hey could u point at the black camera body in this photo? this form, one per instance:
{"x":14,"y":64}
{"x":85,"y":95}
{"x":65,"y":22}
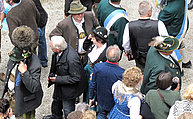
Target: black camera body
{"x":49,"y":81}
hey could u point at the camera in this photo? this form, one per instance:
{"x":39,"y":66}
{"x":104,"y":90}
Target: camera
{"x":49,"y":81}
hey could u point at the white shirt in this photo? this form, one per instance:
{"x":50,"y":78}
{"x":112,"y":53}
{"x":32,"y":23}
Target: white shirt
{"x":126,"y":38}
{"x":80,"y":30}
{"x":95,"y":53}
{"x":167,"y":57}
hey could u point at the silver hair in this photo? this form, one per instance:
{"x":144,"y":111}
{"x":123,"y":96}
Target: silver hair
{"x":113,"y":53}
{"x":83,"y":107}
{"x":59,"y":42}
{"x":144,"y":7}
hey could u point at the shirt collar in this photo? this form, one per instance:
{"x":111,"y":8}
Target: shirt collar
{"x":115,"y":5}
{"x":76,"y":23}
{"x":144,"y":17}
{"x":112,"y":62}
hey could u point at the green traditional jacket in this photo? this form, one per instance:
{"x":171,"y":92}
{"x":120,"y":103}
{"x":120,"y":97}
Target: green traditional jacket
{"x":155,"y":64}
{"x":104,"y":9}
{"x":172,"y":16}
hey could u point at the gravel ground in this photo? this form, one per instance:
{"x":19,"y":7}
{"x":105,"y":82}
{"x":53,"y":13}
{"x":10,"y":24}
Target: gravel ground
{"x":55,"y":9}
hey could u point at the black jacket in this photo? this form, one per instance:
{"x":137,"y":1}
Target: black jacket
{"x":70,"y":81}
{"x":43,"y":14}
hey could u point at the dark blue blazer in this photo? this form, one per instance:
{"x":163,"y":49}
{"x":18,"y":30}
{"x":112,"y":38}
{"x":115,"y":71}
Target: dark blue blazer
{"x":104,"y":76}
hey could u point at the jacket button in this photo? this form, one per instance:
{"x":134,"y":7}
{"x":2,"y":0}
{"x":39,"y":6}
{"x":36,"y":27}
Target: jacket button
{"x":176,"y":72}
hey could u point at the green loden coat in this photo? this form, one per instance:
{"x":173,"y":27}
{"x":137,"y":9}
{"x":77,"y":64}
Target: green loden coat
{"x":155,"y":64}
{"x":104,"y":9}
{"x":172,"y":16}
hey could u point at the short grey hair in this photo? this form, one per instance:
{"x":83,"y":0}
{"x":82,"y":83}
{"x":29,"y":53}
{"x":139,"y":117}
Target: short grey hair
{"x":144,"y":7}
{"x":113,"y":53}
{"x":59,"y":42}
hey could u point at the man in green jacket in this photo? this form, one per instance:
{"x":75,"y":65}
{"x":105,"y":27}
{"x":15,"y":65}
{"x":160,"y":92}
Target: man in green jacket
{"x":159,"y":60}
{"x":114,"y":18}
{"x":175,"y":19}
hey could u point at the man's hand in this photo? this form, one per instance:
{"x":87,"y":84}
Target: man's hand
{"x":53,"y":79}
{"x":22,"y":67}
{"x":91,"y":101}
{"x":129,"y":55}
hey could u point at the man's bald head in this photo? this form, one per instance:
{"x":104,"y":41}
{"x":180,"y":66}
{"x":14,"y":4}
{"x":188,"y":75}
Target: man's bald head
{"x":113,"y":53}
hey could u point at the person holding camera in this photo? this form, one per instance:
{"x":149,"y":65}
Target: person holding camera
{"x":67,"y":75}
{"x":162,"y":99}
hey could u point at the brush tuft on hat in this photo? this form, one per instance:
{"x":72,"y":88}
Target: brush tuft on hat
{"x":23,"y":37}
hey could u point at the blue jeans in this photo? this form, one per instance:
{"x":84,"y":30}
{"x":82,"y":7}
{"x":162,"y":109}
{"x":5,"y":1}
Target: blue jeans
{"x":66,"y":105}
{"x":42,"y":48}
{"x":102,"y":113}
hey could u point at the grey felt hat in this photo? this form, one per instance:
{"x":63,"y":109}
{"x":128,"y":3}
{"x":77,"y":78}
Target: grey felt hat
{"x":76,"y":8}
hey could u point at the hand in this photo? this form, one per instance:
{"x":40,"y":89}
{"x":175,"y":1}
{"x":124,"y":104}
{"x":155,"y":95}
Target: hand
{"x":129,"y":55}
{"x":91,"y":102}
{"x":22,"y":67}
{"x":53,"y":79}
{"x":1,"y":25}
{"x":9,"y":112}
{"x":177,"y":88}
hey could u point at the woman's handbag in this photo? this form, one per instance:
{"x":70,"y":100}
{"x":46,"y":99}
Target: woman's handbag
{"x":145,"y":111}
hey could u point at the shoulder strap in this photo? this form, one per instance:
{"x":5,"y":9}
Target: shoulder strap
{"x":113,"y":17}
{"x":163,"y":99}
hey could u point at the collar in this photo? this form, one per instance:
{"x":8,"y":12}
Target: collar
{"x":76,"y":23}
{"x":112,"y":63}
{"x":114,"y":5}
{"x":144,"y":18}
{"x":16,"y":4}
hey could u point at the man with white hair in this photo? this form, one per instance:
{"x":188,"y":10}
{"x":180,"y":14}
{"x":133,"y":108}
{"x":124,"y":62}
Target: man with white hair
{"x":139,"y":33}
{"x":67,"y":75}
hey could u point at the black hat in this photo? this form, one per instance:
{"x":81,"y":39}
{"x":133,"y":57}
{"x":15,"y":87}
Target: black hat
{"x":17,"y":54}
{"x":101,"y":32}
{"x":23,"y":37}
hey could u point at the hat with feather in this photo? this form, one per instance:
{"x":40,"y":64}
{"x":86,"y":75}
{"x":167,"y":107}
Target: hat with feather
{"x":22,"y":39}
{"x":165,"y":43}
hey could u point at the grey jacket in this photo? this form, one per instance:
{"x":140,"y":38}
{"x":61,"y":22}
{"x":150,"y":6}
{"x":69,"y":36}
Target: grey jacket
{"x":28,"y":95}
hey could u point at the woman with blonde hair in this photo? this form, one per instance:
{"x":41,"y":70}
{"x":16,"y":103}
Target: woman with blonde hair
{"x":183,"y":106}
{"x":127,"y":103}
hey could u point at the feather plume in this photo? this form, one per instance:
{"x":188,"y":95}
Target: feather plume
{"x":156,"y":41}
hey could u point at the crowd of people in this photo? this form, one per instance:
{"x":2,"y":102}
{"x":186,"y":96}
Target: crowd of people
{"x":87,"y":46}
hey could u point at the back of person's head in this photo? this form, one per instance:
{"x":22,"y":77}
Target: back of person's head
{"x":75,"y":115}
{"x":164,"y":80}
{"x":186,"y":115}
{"x":132,"y":76}
{"x":82,"y":107}
{"x":188,"y":95}
{"x":113,"y":53}
{"x":59,"y":42}
{"x":89,"y":114}
{"x":144,"y":8}
{"x":4,"y":105}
